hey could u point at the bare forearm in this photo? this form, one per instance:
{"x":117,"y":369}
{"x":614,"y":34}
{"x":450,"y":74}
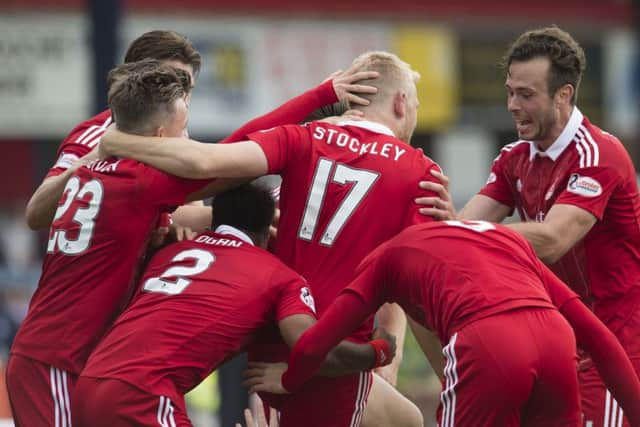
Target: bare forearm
{"x":391,"y":317}
{"x":544,"y":242}
{"x":177,"y":156}
{"x":484,"y":208}
{"x":43,"y":203}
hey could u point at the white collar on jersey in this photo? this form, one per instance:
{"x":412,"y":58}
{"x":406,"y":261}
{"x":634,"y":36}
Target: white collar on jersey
{"x":227,"y":229}
{"x":565,"y":138}
{"x":372,"y":126}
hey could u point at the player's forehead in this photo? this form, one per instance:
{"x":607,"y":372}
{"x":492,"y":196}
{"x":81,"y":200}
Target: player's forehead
{"x":531,"y":74}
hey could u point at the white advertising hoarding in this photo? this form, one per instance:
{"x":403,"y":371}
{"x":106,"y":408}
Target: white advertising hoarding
{"x":44,"y":73}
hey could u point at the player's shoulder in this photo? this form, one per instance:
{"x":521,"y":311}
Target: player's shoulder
{"x":90,"y":131}
{"x":598,"y":147}
{"x":513,"y":150}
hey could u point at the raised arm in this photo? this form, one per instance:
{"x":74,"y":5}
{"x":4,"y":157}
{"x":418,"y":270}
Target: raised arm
{"x":338,"y":87}
{"x":187,"y":158}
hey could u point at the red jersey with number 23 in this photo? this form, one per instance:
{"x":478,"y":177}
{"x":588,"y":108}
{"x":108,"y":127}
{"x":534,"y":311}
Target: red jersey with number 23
{"x":97,"y":238}
{"x":345,"y":189}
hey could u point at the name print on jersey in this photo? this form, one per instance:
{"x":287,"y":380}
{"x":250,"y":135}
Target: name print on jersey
{"x":344,"y":140}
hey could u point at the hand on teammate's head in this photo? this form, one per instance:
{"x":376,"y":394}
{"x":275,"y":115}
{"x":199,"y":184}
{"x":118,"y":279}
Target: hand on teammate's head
{"x":345,"y":84}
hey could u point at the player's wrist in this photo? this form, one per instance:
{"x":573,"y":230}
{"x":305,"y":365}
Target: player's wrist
{"x":382,"y":351}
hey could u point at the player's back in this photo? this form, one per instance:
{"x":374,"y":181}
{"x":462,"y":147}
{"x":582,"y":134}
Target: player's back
{"x":466,"y":271}
{"x":345,"y":190}
{"x":199,"y":303}
{"x":97,"y":238}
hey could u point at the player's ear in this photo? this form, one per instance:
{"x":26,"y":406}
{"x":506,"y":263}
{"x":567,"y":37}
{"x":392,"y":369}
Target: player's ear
{"x":400,"y":104}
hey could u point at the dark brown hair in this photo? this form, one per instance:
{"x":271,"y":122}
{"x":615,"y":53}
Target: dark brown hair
{"x":164,"y":45}
{"x":567,"y":58}
{"x":142,"y":93}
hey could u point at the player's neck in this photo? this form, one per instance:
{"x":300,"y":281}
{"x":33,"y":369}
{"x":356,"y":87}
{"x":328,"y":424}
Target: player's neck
{"x":564,"y":114}
{"x":377,"y":117}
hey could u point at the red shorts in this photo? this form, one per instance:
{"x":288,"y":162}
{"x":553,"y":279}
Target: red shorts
{"x":322,"y":402}
{"x":599,"y":407}
{"x":511,"y":369}
{"x":105,"y":402}
{"x":39,"y":393}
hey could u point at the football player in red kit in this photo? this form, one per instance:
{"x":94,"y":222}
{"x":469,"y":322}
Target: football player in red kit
{"x":332,"y":176}
{"x":200,"y":302}
{"x":96,"y":241}
{"x":574,"y":187}
{"x":510,"y":354}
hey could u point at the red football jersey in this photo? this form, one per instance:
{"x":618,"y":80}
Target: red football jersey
{"x":97,"y":238}
{"x":448,"y":274}
{"x":82,"y":140}
{"x":444,"y":275}
{"x":345,"y":189}
{"x":200,"y":302}
{"x":590,"y":169}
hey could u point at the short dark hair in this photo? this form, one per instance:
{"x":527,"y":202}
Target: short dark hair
{"x":567,"y":58}
{"x":249,"y":207}
{"x":335,"y":109}
{"x":164,"y":45}
{"x":140,"y":92}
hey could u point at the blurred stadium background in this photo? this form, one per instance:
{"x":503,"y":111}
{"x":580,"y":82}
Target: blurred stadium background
{"x":54,"y":55}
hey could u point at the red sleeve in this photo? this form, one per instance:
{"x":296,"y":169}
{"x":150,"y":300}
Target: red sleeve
{"x":612,"y":363}
{"x":559,"y":292}
{"x":282,"y":145}
{"x":167,"y":190}
{"x":80,"y":141}
{"x":590,"y":188}
{"x":294,"y":297}
{"x":426,"y":165}
{"x":498,"y":186}
{"x":292,"y":112}
{"x":352,"y":307}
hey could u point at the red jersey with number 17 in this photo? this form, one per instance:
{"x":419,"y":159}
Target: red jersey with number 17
{"x":345,"y":189}
{"x":200,"y":302}
{"x":97,"y":238}
{"x":590,"y":169}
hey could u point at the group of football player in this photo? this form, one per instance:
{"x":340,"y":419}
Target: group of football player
{"x":145,"y":290}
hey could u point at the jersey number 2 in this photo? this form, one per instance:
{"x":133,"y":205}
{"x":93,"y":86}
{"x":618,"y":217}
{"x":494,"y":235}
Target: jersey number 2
{"x":83,"y":216}
{"x":363,"y":181}
{"x":164,"y":283}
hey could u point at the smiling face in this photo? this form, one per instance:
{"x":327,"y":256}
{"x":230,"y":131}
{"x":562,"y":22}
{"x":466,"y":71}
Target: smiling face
{"x":528,"y":100}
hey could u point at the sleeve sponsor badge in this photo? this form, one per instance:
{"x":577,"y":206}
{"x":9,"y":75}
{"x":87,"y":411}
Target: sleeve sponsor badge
{"x":584,"y":186}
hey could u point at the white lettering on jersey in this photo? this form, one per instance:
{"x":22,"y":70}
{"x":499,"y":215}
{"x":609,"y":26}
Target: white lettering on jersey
{"x":344,"y":140}
{"x":307,"y":298}
{"x":103,"y":166}
{"x":519,"y":185}
{"x":218,"y":242}
{"x":584,"y":186}
{"x":491,"y":179}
